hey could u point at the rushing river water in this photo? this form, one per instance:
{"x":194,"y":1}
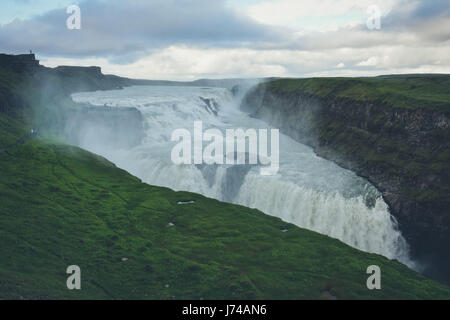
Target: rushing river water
{"x":308,"y":191}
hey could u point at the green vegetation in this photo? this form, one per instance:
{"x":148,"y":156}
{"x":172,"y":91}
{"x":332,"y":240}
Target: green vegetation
{"x":410,"y":91}
{"x":63,"y":206}
{"x":383,"y":148}
{"x":394,"y":130}
{"x":393,"y":159}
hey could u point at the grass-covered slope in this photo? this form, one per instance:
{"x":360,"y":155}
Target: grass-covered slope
{"x":63,"y":206}
{"x":430,"y":91}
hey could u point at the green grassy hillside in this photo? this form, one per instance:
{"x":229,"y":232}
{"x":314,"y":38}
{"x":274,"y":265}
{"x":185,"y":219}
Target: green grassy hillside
{"x":61,"y":206}
{"x":408,"y":91}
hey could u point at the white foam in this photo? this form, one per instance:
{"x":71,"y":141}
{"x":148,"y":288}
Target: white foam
{"x":308,"y":191}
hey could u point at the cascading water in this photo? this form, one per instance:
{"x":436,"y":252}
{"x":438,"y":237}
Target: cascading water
{"x":308,"y":191}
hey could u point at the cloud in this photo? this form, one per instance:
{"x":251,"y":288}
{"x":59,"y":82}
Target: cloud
{"x":133,"y":28}
{"x":428,"y":20}
{"x":182,"y":39}
{"x":403,"y":22}
{"x":317,"y":15}
{"x":371,"y":62}
{"x":187,"y":63}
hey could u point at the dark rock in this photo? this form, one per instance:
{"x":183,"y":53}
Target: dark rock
{"x":111,"y":128}
{"x":236,"y":90}
{"x":211,"y":106}
{"x":20,"y":63}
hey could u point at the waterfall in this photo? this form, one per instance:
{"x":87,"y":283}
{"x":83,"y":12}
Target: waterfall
{"x":308,"y":191}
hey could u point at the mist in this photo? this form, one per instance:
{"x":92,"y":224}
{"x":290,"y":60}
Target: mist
{"x":346,"y":207}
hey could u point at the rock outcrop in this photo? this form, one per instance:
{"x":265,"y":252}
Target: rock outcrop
{"x":20,"y":63}
{"x":46,"y":93}
{"x":103,"y":127}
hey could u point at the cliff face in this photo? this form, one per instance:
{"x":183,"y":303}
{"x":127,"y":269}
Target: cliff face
{"x":63,"y":79}
{"x":404,"y":152}
{"x":20,"y":63}
{"x":78,"y":79}
{"x":10,"y":102}
{"x":77,"y":71}
{"x":104,"y":128}
{"x":42,"y":95}
{"x":85,"y":125}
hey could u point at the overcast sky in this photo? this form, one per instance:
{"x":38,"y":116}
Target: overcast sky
{"x":190,"y":39}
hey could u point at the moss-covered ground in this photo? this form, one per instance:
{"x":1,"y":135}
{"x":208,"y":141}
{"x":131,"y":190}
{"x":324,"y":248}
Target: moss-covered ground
{"x":61,"y":206}
{"x":406,"y":91}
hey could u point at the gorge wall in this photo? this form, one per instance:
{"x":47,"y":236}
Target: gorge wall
{"x":41,"y":96}
{"x":104,"y":128}
{"x":403,"y":151}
